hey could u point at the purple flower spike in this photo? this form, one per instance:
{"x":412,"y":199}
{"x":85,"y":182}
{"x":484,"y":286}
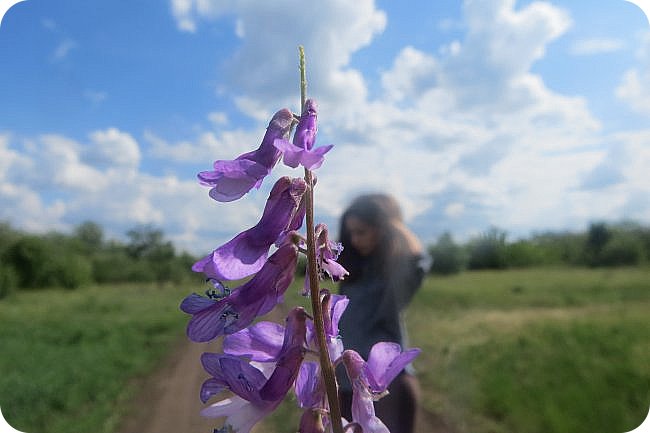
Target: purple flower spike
{"x":212,"y":318}
{"x":246,"y":253}
{"x":301,"y":152}
{"x":230,"y":180}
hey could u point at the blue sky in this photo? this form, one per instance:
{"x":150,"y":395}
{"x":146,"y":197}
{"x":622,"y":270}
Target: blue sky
{"x":527,"y":116}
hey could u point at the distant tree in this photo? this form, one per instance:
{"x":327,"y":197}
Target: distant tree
{"x":90,"y":234}
{"x":597,"y":237}
{"x":447,"y":255}
{"x":146,"y":241}
{"x":523,"y":253}
{"x":148,"y":244}
{"x":488,"y":251}
{"x":30,"y":257}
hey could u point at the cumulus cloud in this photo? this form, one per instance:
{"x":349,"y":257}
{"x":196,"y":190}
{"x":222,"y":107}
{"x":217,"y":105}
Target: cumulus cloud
{"x":206,"y":147}
{"x":53,"y":182}
{"x":265,"y":65}
{"x":112,"y":148}
{"x":467,"y":136}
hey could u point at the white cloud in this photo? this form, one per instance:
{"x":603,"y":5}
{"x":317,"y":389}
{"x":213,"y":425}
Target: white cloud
{"x":49,"y":183}
{"x":465,"y":137}
{"x":63,"y":49}
{"x":265,"y":66}
{"x":206,"y":147}
{"x":112,"y":148}
{"x":95,"y":97}
{"x":413,"y":71}
{"x":634,"y":88}
{"x":218,"y":118}
{"x":588,"y":47}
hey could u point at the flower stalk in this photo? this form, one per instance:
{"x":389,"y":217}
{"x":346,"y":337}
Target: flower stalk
{"x":327,"y":368}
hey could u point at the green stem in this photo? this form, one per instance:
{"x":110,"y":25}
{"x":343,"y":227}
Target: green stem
{"x":327,"y":369}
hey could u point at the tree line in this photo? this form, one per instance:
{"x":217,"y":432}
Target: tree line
{"x":601,"y":244}
{"x":30,"y":261}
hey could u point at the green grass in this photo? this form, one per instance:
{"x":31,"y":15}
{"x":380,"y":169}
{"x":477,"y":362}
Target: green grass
{"x":527,"y":351}
{"x":69,"y":357}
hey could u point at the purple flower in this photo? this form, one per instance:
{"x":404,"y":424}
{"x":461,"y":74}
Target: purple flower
{"x":246,"y":253}
{"x":301,"y":152}
{"x":327,"y":252}
{"x":370,"y":380}
{"x":262,"y":342}
{"x":230,"y":180}
{"x":255,"y":396}
{"x":238,"y":309}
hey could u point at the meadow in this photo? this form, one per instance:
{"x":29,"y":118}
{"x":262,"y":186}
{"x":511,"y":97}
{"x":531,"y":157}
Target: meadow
{"x":70,"y":359}
{"x":526,"y":351}
{"x":542,"y":350}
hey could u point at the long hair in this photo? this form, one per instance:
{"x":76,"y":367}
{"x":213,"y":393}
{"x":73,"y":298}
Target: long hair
{"x":395,"y":242}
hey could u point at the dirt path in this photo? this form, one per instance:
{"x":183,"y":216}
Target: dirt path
{"x":168,"y":399}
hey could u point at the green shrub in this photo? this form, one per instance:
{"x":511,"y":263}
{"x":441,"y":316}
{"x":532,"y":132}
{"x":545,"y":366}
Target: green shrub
{"x":620,"y":251}
{"x":522,"y":254}
{"x":488,"y":251}
{"x":71,"y":271}
{"x":448,"y":257}
{"x":8,"y":280}
{"x":31,"y":258}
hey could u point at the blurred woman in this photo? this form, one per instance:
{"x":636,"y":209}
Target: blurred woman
{"x":383,"y":257}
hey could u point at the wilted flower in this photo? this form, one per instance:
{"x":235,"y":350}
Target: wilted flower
{"x":246,"y":253}
{"x":231,"y":179}
{"x":301,"y":152}
{"x":238,"y":309}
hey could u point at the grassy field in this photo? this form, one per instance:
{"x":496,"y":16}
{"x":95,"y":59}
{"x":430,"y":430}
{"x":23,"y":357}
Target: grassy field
{"x":69,"y":357}
{"x":523,"y":351}
{"x":528,"y":351}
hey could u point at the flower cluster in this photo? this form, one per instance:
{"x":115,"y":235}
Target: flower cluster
{"x":262,"y":361}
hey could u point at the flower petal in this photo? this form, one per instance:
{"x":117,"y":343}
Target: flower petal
{"x":210,"y":388}
{"x":313,"y":159}
{"x":363,"y":412}
{"x":231,"y":179}
{"x":194,"y":303}
{"x":208,"y":323}
{"x":262,"y":342}
{"x":385,"y":361}
{"x":309,"y":388}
